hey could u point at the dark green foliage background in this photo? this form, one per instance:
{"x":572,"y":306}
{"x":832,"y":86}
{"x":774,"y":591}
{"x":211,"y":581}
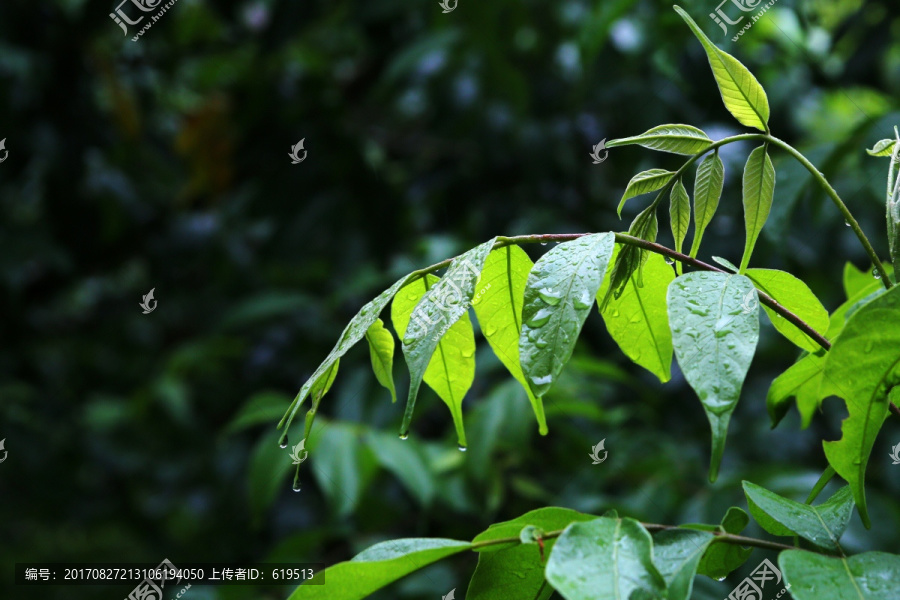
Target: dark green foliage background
{"x":162,"y":164}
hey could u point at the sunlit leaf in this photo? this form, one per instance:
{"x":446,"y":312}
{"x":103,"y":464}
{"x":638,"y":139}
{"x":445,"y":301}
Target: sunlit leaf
{"x":758,"y":192}
{"x":881,"y":148}
{"x":381,"y":349}
{"x":796,"y":296}
{"x":643,"y":183}
{"x":678,"y":139}
{"x":707,"y":191}
{"x":679,"y":214}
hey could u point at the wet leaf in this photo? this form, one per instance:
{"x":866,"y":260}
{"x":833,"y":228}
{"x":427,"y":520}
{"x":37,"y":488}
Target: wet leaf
{"x":796,"y":296}
{"x":679,"y":214}
{"x":758,"y":192}
{"x":381,"y":349}
{"x":643,"y":183}
{"x":867,"y":576}
{"x":707,"y":192}
{"x":678,"y":139}
{"x":677,"y":554}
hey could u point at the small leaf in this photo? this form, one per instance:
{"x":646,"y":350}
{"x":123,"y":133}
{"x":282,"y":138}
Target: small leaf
{"x":677,"y":139}
{"x":881,"y":148}
{"x":558,"y":297}
{"x":499,"y":312}
{"x":263,"y":407}
{"x":866,"y":576}
{"x":823,"y":525}
{"x":317,"y":392}
{"x":376,"y":567}
{"x":677,"y":554}
{"x":605,"y":559}
{"x":801,"y":381}
{"x":381,"y":349}
{"x":549,"y":518}
{"x":721,"y":559}
{"x":679,"y":214}
{"x":638,"y":321}
{"x":632,"y":258}
{"x":643,"y":183}
{"x":742,"y":94}
{"x":707,"y":191}
{"x":343,"y":467}
{"x":725,"y":263}
{"x":759,"y":189}
{"x":861,"y":368}
{"x":715,"y":327}
{"x":856,"y":280}
{"x":795,"y":295}
{"x":406,"y":461}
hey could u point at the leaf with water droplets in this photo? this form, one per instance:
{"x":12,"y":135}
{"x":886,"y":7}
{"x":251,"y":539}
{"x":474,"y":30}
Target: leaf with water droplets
{"x":866,"y":576}
{"x":605,"y":559}
{"x":883,"y":147}
{"x":343,"y":466}
{"x":317,"y":392}
{"x":558,"y":295}
{"x":823,"y":525}
{"x":677,"y":139}
{"x":637,"y":320}
{"x":677,"y":554}
{"x":499,"y":312}
{"x":679,"y":215}
{"x":720,"y":559}
{"x":643,"y":183}
{"x":451,"y":370}
{"x":714,"y":319}
{"x":861,"y":367}
{"x":381,"y":348}
{"x":707,"y":191}
{"x":632,"y":258}
{"x":796,"y":296}
{"x":758,"y":192}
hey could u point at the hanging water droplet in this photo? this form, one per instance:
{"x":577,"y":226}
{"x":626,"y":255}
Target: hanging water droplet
{"x":462,"y":448}
{"x":670,"y":260}
{"x":847,"y":223}
{"x":876,"y":274}
{"x":283,"y":443}
{"x":296,"y":486}
{"x":404,"y":436}
{"x":543,"y":243}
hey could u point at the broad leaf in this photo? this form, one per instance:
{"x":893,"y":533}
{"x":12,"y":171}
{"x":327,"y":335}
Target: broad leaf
{"x":406,"y":461}
{"x":451,"y":369}
{"x":707,"y":191}
{"x":644,"y":182}
{"x":867,"y":576}
{"x":381,"y":349}
{"x":758,"y":191}
{"x":558,"y":297}
{"x":438,"y":310}
{"x":855,"y":281}
{"x":677,"y":554}
{"x":499,"y":312}
{"x":515,"y":571}
{"x":861,"y":368}
{"x":631,"y":258}
{"x":881,"y":148}
{"x":679,"y":214}
{"x":678,"y":139}
{"x":637,"y":320}
{"x":801,"y":381}
{"x":720,"y":559}
{"x":376,"y":567}
{"x":605,"y":559}
{"x":742,"y":94}
{"x":796,"y":296}
{"x":355,"y":330}
{"x":715,"y":327}
{"x":823,"y":525}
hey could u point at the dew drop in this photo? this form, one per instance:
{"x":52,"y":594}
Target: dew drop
{"x":584,"y":301}
{"x":462,"y":448}
{"x":670,"y":260}
{"x":404,"y":436}
{"x":847,"y":223}
{"x":541,"y":343}
{"x":549,"y":296}
{"x":283,"y":443}
{"x":876,"y":274}
{"x":543,"y":243}
{"x":467,"y":353}
{"x":539,"y":318}
{"x":296,"y":487}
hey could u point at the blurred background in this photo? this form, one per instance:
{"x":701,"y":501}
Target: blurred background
{"x":163,"y":164}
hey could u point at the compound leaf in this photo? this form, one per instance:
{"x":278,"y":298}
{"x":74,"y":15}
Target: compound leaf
{"x":677,"y":139}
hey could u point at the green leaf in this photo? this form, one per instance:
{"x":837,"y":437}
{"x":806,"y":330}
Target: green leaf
{"x":823,"y":525}
{"x":643,"y":183}
{"x":381,"y":349}
{"x":263,"y":407}
{"x":376,"y":567}
{"x":677,"y":554}
{"x":715,"y":327}
{"x":861,"y":368}
{"x":881,"y":148}
{"x":558,"y":297}
{"x":342,"y":466}
{"x":707,"y":191}
{"x":742,"y":94}
{"x":355,"y":330}
{"x":867,"y":576}
{"x":720,"y":559}
{"x":801,"y":381}
{"x":438,"y":310}
{"x":605,"y":559}
{"x":515,"y":571}
{"x":317,"y":392}
{"x":451,"y":370}
{"x":679,"y":214}
{"x":758,"y":191}
{"x":856,"y":281}
{"x":267,"y":473}
{"x":677,"y":139}
{"x":406,"y":461}
{"x":796,"y":296}
{"x":637,"y":320}
{"x":499,"y":312}
{"x":632,"y":258}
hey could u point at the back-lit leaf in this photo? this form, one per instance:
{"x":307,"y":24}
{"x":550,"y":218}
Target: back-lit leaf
{"x":643,"y":183}
{"x":758,"y":192}
{"x":678,"y":139}
{"x":381,"y":349}
{"x":883,"y":147}
{"x":707,"y":191}
{"x":796,"y":296}
{"x":679,"y":215}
